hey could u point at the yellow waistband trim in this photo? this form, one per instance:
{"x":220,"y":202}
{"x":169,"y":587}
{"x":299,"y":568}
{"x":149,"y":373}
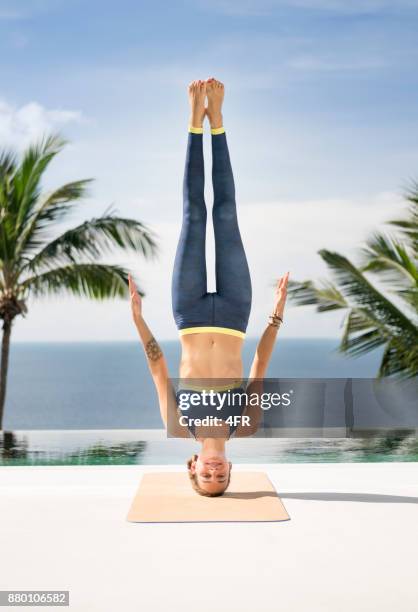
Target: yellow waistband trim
{"x":215,"y":131}
{"x":195,"y":130}
{"x":235,"y":384}
{"x":208,"y":330}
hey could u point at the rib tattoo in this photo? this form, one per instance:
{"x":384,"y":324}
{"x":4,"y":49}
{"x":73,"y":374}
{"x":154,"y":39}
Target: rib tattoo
{"x":153,"y":350}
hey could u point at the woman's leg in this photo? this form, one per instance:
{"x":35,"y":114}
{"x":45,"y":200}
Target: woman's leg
{"x":233,"y":282}
{"x":189,"y":284}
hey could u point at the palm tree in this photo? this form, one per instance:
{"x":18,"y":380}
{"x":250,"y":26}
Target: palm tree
{"x":32,"y":264}
{"x":375,"y":318}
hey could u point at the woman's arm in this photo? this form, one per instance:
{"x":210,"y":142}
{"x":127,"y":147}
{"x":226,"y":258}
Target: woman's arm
{"x":154,"y":355}
{"x":155,"y":358}
{"x":265,"y":346}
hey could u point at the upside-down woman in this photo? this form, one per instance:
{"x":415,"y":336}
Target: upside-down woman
{"x":212,"y":325}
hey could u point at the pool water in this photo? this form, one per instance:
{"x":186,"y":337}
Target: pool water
{"x":127,"y":447}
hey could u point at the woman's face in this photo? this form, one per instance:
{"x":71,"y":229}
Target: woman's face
{"x":212,"y":472}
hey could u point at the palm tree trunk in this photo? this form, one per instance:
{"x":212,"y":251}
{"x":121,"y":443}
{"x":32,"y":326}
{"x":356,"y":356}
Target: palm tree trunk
{"x":4,"y":364}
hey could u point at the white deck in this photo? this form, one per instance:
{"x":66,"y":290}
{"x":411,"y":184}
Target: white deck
{"x":350,"y":544}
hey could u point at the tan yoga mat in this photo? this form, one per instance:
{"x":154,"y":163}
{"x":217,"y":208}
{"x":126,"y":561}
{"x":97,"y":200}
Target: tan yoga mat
{"x":167,"y":497}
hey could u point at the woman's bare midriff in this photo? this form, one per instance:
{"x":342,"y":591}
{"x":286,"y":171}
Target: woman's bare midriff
{"x":211,"y":355}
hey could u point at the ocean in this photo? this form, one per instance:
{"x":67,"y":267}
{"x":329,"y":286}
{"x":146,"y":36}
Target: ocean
{"x":107,"y":385}
{"x":95,"y":404}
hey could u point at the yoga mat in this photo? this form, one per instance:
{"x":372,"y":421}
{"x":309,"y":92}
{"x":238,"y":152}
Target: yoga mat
{"x":167,"y":497}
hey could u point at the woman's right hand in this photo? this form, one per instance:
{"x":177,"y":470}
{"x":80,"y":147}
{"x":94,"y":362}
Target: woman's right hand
{"x":136,"y":301}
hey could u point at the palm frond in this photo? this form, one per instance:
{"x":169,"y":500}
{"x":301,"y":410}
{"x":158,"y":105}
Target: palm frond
{"x":400,"y":357}
{"x":7,"y":171}
{"x":362,"y":333}
{"x":391,"y":258}
{"x":356,"y":287}
{"x":29,"y":173}
{"x":20,"y":190}
{"x":372,"y":319}
{"x":51,"y":208}
{"x":410,"y":296}
{"x":408,"y":226}
{"x":96,"y":281}
{"x":325,"y":295}
{"x":93,"y":239}
{"x":8,"y":164}
{"x":397,"y":361}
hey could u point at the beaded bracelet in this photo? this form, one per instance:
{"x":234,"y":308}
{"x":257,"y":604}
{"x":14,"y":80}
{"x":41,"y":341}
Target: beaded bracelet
{"x":275,"y":320}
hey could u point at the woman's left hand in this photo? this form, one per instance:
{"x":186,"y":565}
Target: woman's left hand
{"x":280,"y":296}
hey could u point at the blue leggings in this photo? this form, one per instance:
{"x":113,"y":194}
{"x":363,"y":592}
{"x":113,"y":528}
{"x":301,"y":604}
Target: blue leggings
{"x":193,"y":306}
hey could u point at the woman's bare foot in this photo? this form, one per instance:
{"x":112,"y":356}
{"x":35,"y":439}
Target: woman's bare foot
{"x":197,"y":98}
{"x":215,"y":92}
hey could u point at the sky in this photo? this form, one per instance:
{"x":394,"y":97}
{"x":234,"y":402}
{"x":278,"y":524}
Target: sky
{"x":321,"y":116}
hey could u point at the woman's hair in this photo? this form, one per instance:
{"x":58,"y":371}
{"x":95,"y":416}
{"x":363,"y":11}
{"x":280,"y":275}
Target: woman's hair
{"x":195,"y":484}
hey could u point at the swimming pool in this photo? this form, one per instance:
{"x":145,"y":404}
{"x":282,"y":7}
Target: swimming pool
{"x":142,"y":447}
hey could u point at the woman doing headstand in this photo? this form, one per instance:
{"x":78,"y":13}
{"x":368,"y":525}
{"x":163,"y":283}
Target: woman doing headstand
{"x":211,"y":325}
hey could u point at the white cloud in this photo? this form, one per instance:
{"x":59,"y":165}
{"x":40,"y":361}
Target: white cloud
{"x":21,"y":126}
{"x":278,"y":236}
{"x":292,"y":233}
